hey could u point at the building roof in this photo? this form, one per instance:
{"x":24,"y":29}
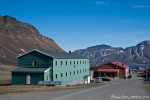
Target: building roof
{"x":29,"y":70}
{"x":119,"y":64}
{"x":107,"y":70}
{"x":56,"y":54}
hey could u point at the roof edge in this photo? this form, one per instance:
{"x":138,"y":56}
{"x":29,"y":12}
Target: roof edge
{"x":36,"y":51}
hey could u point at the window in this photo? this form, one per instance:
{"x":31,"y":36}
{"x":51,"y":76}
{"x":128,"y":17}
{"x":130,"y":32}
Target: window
{"x":83,"y":62}
{"x":56,"y":76}
{"x":74,"y":62}
{"x":74,"y":72}
{"x":34,"y":63}
{"x":66,"y":62}
{"x":77,"y":62}
{"x":70,"y":63}
{"x":61,"y":62}
{"x":109,"y":66}
{"x":83,"y":70}
{"x":80,"y":62}
{"x":56,"y":63}
{"x":70,"y":73}
{"x":120,"y":71}
{"x":66,"y":74}
{"x":80,"y":70}
{"x":77,"y":71}
{"x":61,"y":74}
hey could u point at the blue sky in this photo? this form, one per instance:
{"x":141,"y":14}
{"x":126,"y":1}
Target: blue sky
{"x":78,"y":24}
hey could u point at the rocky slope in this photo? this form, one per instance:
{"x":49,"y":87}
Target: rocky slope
{"x":17,"y":37}
{"x":103,"y":53}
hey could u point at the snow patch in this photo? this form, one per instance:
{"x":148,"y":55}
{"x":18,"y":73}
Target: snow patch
{"x":108,"y":49}
{"x":136,"y":52}
{"x":103,"y":53}
{"x":130,"y":51}
{"x":2,"y":50}
{"x":121,"y":51}
{"x":142,"y":48}
{"x":149,"y":42}
{"x":22,"y":50}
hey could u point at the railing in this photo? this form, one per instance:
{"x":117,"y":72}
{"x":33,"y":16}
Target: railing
{"x":49,"y":83}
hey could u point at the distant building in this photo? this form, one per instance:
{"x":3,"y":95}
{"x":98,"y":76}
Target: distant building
{"x":112,"y":69}
{"x":37,"y":65}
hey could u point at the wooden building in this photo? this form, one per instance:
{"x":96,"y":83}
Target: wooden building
{"x":38,"y":65}
{"x":112,"y":69}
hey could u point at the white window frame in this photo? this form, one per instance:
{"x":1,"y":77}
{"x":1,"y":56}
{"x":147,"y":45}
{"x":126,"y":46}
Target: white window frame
{"x":61,"y":75}
{"x":56,"y":63}
{"x":70,"y":73}
{"x":56,"y":76}
{"x":33,"y":63}
{"x":61,"y":63}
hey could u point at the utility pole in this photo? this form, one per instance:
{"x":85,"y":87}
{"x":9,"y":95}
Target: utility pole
{"x":146,"y":72}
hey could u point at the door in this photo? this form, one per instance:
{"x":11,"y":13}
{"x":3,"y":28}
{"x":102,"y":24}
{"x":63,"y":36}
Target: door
{"x":28,"y":79}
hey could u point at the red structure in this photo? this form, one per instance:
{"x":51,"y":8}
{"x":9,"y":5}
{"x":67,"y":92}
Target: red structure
{"x":112,"y":69}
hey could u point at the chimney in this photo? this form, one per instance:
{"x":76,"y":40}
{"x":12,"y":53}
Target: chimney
{"x":69,"y":51}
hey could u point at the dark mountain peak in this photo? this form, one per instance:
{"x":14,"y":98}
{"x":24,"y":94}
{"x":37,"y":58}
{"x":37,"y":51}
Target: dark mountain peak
{"x":17,"y":37}
{"x":101,"y":54}
{"x":100,"y":46}
{"x":9,"y":25}
{"x":8,"y":19}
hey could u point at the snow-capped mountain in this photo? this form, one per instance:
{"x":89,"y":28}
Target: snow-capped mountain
{"x":100,"y":54}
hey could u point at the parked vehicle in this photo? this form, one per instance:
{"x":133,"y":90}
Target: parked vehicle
{"x":98,"y":80}
{"x":105,"y":79}
{"x":129,"y":76}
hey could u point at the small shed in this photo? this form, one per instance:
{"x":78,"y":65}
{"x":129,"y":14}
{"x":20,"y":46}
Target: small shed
{"x":22,"y":76}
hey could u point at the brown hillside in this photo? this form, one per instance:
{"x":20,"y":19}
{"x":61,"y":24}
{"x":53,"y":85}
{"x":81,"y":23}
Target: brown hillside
{"x":17,"y":38}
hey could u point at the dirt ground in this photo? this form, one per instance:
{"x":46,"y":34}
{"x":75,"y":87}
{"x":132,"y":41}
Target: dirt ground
{"x":5,"y":73}
{"x":28,"y":88}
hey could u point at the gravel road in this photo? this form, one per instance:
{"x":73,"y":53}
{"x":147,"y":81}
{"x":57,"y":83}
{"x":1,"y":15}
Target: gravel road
{"x":39,"y":95}
{"x":117,"y":87}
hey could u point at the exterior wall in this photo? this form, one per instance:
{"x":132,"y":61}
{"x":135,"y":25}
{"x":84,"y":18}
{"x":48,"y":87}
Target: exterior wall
{"x":20,"y":78}
{"x":47,"y":75}
{"x":43,"y":61}
{"x":70,"y":68}
{"x":36,"y":77}
{"x":127,"y":72}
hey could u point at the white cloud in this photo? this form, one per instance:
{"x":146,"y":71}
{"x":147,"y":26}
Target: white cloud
{"x":139,"y":6}
{"x":101,"y":3}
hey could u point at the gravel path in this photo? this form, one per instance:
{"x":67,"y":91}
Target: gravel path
{"x":39,"y":95}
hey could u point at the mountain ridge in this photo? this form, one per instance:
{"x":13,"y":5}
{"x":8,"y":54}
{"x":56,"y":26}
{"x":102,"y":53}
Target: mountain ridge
{"x":17,"y":37}
{"x":101,"y":54}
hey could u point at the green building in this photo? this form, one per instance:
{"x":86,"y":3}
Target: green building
{"x":38,"y":65}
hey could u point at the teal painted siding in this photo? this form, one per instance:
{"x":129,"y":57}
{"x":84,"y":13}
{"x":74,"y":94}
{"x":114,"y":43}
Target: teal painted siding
{"x":20,"y":78}
{"x":43,"y":61}
{"x":36,"y":77}
{"x":48,"y":75}
{"x":67,"y":66}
